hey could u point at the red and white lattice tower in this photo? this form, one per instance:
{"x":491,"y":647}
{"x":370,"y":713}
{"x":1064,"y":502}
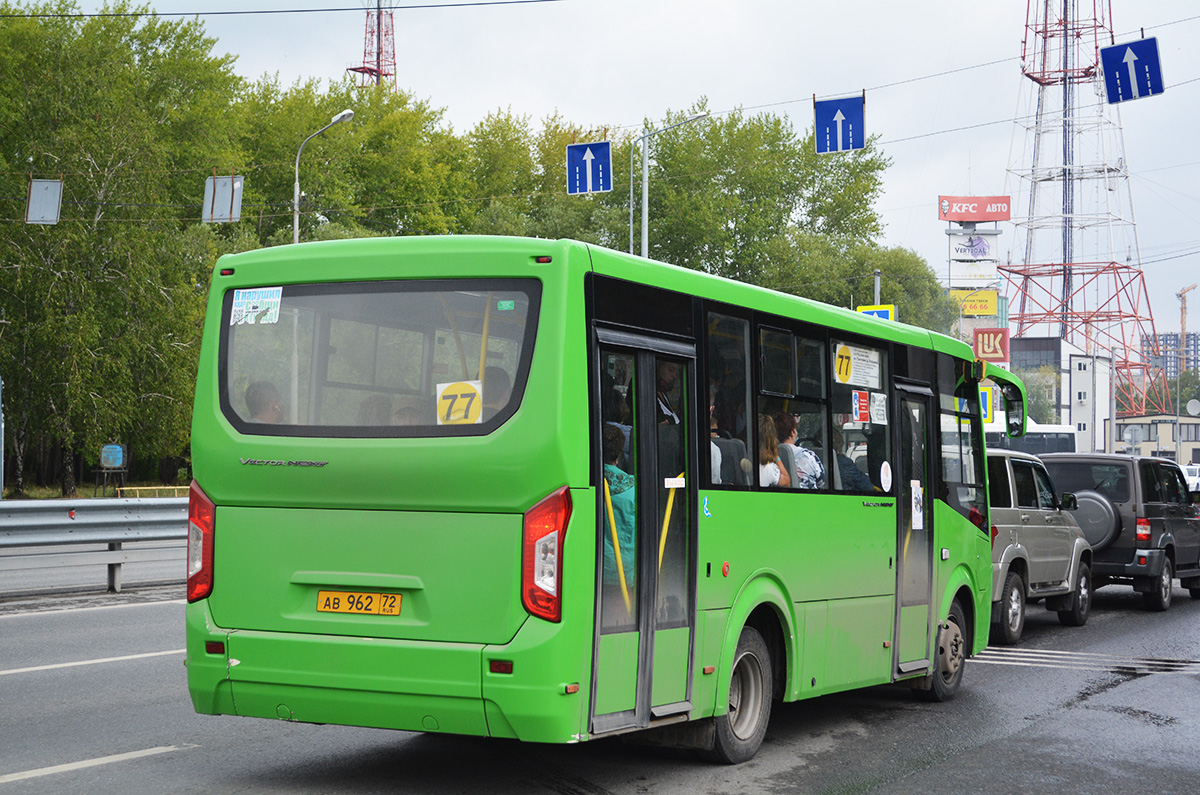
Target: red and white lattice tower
{"x":1075,"y":268}
{"x":379,"y":49}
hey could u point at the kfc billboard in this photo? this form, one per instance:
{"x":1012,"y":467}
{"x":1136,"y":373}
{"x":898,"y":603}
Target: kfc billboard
{"x":974,"y":208}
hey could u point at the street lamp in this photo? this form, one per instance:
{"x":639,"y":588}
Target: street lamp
{"x":645,"y":141}
{"x":345,"y":115}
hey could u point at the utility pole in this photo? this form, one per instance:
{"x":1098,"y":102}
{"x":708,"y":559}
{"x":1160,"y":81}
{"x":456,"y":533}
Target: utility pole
{"x":1182,"y":296}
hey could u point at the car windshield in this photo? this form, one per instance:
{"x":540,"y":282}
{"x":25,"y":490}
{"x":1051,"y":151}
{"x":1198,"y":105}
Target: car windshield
{"x":1111,"y":480}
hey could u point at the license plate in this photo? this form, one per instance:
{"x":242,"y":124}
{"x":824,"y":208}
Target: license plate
{"x":360,"y":602}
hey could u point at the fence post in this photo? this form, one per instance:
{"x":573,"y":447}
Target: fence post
{"x":114,"y":569}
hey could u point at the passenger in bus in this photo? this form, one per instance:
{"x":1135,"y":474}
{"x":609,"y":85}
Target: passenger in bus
{"x":621,"y":496}
{"x":771,"y":471}
{"x":407,"y":415}
{"x":810,"y":472}
{"x":668,"y":377}
{"x":497,"y":387}
{"x":714,"y":450}
{"x":375,"y":410}
{"x":852,"y":478}
{"x":616,"y":410}
{"x":264,"y":403}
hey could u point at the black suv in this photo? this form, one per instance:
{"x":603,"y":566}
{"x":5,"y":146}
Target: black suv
{"x":1142,"y":523}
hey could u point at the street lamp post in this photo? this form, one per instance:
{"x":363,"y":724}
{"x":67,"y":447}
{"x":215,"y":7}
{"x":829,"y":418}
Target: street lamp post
{"x":645,"y":141}
{"x":345,"y":115}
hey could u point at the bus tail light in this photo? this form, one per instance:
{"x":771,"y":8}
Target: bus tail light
{"x":541,"y":556}
{"x":995,"y":532}
{"x":1143,"y":531}
{"x":201,"y":516}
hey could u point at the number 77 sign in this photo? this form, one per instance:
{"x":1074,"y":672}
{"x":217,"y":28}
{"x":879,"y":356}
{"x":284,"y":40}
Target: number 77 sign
{"x":460,"y":403}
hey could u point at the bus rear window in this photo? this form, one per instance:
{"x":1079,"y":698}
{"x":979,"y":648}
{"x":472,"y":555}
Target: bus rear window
{"x":396,"y":358}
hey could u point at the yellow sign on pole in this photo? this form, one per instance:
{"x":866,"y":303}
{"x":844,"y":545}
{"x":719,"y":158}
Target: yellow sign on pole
{"x":885,"y":311}
{"x":986,"y":401}
{"x":976,"y":303}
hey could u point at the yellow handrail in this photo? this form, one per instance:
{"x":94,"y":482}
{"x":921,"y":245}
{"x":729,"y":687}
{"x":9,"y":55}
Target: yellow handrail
{"x":662,"y":540}
{"x":612,"y":526}
{"x":487,"y":319}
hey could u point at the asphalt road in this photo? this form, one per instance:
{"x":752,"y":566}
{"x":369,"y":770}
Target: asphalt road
{"x":93,"y":699}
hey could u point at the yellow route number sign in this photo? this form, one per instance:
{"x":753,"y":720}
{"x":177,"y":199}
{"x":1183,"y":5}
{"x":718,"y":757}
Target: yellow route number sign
{"x":460,"y":403}
{"x":855,"y":366}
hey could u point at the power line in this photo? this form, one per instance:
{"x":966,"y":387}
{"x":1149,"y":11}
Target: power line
{"x":357,"y":9}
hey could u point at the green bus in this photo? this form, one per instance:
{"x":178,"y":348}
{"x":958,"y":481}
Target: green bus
{"x":542,"y":490}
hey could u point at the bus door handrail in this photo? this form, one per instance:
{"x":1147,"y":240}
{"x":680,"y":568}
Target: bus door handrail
{"x":662,"y":537}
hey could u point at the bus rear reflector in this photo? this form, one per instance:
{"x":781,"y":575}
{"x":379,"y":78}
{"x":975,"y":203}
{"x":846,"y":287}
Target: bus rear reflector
{"x":545,"y":528}
{"x":1143,"y":530}
{"x":201,"y":516}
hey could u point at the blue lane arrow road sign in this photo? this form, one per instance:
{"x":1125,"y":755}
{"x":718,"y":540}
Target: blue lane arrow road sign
{"x":589,"y":168}
{"x":1131,"y":71}
{"x":839,"y":124}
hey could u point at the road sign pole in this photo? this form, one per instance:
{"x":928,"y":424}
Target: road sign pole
{"x":646,"y":196}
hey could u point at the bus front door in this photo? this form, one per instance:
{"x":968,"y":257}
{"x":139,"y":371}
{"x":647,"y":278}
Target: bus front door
{"x":914,"y":545}
{"x":645,"y":547}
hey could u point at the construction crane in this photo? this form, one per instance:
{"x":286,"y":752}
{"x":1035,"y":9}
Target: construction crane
{"x":1183,"y":346}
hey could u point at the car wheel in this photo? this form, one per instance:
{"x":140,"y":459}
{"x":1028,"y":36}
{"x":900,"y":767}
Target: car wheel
{"x":1077,"y":616}
{"x":740,"y":731}
{"x":1159,"y":599}
{"x":949,"y":657}
{"x":1012,"y":610}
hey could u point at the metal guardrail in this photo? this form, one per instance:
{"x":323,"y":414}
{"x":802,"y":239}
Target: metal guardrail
{"x":111,"y":522}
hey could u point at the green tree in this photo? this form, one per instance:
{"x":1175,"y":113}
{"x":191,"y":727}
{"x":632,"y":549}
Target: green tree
{"x":502,"y":174}
{"x":1041,"y":389}
{"x":843,"y":274}
{"x":102,"y":313}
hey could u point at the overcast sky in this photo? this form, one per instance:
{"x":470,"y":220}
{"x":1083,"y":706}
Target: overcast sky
{"x":942,"y":106}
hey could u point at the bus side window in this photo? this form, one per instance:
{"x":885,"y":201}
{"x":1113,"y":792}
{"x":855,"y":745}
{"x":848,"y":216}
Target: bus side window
{"x":732,"y":417}
{"x":858,"y":401}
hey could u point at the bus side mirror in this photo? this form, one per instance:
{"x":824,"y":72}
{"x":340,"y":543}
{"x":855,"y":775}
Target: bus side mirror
{"x":1014,"y":410}
{"x":1069,"y":502}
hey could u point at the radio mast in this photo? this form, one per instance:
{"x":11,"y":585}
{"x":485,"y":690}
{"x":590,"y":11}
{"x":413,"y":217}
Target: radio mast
{"x":1075,"y":268}
{"x":379,"y":49}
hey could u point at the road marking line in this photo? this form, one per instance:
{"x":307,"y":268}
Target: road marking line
{"x":91,"y":662}
{"x":96,"y":607}
{"x":1087,"y":661}
{"x":102,"y":760}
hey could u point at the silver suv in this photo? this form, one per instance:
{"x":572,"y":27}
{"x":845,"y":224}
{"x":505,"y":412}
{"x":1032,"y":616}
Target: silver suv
{"x":1038,"y":550}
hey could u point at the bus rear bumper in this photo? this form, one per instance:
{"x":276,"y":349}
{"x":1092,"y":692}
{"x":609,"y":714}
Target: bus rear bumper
{"x":355,"y":681}
{"x":384,"y":683}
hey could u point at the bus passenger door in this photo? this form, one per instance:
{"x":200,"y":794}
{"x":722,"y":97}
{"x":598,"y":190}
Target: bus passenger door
{"x":914,"y":542}
{"x":645,"y":547}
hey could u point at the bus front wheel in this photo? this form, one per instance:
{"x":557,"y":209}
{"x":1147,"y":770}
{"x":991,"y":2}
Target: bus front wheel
{"x":949,"y":657}
{"x":740,"y":731}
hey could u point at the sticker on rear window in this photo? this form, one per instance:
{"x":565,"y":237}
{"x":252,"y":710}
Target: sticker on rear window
{"x":460,"y":403}
{"x":259,"y":305}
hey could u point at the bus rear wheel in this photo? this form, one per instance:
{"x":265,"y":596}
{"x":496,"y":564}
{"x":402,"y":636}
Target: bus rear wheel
{"x":740,"y":731}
